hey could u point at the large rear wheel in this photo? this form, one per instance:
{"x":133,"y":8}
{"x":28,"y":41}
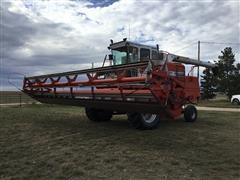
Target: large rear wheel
{"x":98,"y":114}
{"x":143,"y":121}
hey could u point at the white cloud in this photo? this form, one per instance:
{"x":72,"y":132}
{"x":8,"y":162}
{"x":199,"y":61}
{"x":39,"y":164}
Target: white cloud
{"x":49,"y":36}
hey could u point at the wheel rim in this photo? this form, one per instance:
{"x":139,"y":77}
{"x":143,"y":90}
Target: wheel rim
{"x":149,"y":118}
{"x":193,"y":115}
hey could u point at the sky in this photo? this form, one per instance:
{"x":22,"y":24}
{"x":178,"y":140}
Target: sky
{"x":47,"y":36}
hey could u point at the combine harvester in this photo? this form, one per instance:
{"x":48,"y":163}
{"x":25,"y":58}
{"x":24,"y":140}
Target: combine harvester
{"x":140,"y":81}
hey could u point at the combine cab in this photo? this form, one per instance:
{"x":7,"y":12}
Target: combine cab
{"x":140,"y":81}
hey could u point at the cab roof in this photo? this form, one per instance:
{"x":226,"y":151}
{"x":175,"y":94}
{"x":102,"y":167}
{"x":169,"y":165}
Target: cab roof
{"x":130,"y":43}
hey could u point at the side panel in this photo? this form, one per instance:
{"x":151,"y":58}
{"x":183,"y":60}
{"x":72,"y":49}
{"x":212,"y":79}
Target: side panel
{"x":192,"y":88}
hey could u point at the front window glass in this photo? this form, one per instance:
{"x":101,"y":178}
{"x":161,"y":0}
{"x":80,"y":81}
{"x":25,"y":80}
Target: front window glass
{"x":119,"y":56}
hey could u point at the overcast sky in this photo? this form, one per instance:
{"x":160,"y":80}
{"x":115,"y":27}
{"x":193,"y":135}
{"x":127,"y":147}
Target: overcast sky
{"x":46,"y":36}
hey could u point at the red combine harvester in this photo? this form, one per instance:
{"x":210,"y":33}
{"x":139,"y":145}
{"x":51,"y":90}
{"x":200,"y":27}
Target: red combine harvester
{"x":140,"y":81}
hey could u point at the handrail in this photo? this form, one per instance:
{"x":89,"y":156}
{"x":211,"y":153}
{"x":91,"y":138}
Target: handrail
{"x":84,"y":71}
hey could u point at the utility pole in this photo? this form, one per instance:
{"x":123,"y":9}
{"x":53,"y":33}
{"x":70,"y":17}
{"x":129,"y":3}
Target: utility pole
{"x":198,"y":59}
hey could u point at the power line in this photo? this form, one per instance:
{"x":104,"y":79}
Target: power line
{"x":185,"y":47}
{"x":232,"y":43}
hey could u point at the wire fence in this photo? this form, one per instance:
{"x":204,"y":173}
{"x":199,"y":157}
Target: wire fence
{"x":15,"y":98}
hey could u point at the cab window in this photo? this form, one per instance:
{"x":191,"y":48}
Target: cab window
{"x":161,"y":56}
{"x":155,"y":55}
{"x":144,"y":54}
{"x":133,"y":54}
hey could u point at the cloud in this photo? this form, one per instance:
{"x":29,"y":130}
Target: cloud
{"x":53,"y":36}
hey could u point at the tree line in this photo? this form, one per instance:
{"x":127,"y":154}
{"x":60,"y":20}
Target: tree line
{"x":224,"y":78}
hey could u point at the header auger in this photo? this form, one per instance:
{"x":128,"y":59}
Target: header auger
{"x":140,"y":81}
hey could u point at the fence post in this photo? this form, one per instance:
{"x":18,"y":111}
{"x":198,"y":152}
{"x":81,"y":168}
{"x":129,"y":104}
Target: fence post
{"x":20,"y":98}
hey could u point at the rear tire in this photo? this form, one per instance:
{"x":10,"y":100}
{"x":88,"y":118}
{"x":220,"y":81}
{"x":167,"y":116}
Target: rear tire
{"x":235,"y":102}
{"x":98,"y":115}
{"x":190,"y":113}
{"x":143,"y":121}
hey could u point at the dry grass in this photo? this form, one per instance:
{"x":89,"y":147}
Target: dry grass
{"x":15,"y":97}
{"x":220,"y":100}
{"x":57,"y":142}
{"x":223,"y":103}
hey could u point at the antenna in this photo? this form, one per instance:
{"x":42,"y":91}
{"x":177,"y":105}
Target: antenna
{"x":129,"y":31}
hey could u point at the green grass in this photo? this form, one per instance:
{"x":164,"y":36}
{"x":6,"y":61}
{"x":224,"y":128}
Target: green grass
{"x":57,"y":142}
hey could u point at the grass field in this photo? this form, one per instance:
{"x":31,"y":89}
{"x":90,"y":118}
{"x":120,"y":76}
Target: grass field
{"x":57,"y":142}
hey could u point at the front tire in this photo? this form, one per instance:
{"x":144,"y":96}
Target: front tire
{"x":235,"y":102}
{"x":190,"y":113}
{"x":98,"y":115}
{"x":143,"y":121}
